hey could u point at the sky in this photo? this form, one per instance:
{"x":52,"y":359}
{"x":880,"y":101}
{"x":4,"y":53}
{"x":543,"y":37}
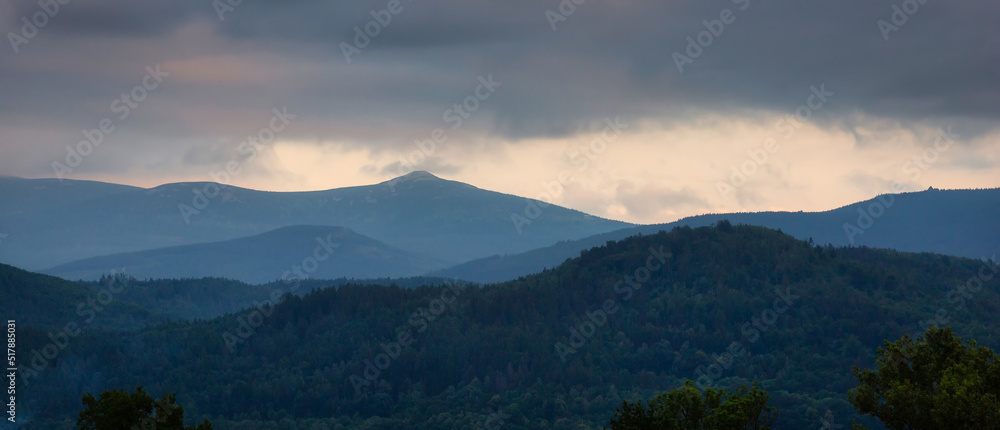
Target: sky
{"x":642,"y":111}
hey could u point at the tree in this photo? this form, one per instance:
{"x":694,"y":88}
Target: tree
{"x":686,"y":408}
{"x":118,"y":410}
{"x":934,"y":382}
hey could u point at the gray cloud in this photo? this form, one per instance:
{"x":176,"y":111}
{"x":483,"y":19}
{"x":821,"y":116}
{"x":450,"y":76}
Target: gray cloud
{"x":606,"y":59}
{"x":434,"y":164}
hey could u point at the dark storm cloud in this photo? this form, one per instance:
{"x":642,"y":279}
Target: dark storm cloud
{"x":118,"y":18}
{"x":605,"y":59}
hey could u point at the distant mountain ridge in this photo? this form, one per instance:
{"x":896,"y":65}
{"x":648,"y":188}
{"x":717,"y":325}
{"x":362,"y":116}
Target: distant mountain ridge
{"x":53,"y":222}
{"x":296,"y":252}
{"x":25,"y":195}
{"x":962,"y":223}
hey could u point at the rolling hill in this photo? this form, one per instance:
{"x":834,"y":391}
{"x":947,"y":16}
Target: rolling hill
{"x":296,"y":252}
{"x":555,"y":350}
{"x":953,"y":222}
{"x":47,"y":302}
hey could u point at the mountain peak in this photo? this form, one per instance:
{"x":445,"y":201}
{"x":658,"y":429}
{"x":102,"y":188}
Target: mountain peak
{"x":418,"y":175}
{"x":415,"y":176}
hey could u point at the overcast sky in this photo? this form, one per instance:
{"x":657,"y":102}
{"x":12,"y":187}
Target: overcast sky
{"x":832,"y":99}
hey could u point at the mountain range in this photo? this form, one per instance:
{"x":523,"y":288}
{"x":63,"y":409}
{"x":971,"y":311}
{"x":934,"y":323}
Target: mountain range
{"x":560,"y":349}
{"x":952,"y":222}
{"x":50,"y":222}
{"x":414,"y":225}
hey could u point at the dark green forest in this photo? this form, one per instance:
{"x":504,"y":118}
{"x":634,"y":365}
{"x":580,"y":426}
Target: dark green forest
{"x":723,"y":306}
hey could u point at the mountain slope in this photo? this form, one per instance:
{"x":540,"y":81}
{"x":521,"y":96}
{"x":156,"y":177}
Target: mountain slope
{"x":953,"y":222}
{"x":31,"y":195}
{"x":558,"y":349}
{"x":47,"y":302}
{"x":419,"y":212}
{"x":285,"y":253}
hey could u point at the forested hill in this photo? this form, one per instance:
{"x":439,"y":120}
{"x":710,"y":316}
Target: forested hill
{"x":48,"y":302}
{"x":631,"y":319}
{"x":951,"y":222}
